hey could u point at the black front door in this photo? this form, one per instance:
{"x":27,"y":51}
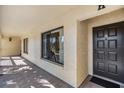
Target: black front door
{"x":108,"y":51}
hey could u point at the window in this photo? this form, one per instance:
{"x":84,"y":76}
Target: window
{"x":53,"y":45}
{"x":25,"y":45}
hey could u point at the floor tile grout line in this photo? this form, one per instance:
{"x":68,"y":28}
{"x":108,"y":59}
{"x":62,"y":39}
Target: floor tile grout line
{"x":12,"y":61}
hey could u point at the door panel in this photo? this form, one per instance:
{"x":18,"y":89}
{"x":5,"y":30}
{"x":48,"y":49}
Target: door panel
{"x":108,"y":51}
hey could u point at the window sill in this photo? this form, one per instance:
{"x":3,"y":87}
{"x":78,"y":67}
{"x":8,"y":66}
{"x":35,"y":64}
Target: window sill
{"x":26,"y":53}
{"x":62,"y":65}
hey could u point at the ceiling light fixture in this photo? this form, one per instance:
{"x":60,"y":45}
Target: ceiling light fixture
{"x":10,"y":39}
{"x":100,"y":7}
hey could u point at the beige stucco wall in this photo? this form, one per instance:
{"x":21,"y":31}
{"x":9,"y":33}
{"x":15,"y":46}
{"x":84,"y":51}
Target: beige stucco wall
{"x":77,"y":64}
{"x":82,"y":51}
{"x":66,"y":72}
{"x":10,"y":48}
{"x":109,"y":18}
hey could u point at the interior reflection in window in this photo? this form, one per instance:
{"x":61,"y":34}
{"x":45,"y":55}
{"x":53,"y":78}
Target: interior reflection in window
{"x":53,"y":45}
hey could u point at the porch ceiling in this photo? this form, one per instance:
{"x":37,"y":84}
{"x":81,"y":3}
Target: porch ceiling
{"x":18,"y":20}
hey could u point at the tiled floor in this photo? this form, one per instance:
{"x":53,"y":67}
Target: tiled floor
{"x":16,"y":72}
{"x":92,"y":85}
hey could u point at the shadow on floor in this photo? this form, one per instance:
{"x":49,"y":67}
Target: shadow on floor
{"x":17,"y":72}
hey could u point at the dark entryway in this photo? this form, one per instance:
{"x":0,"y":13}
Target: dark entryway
{"x":108,"y":51}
